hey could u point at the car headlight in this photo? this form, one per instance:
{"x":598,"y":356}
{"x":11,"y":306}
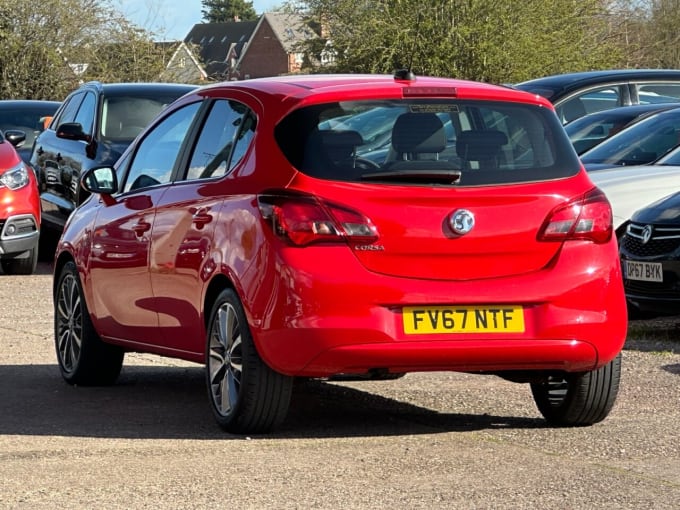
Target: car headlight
{"x":15,"y":178}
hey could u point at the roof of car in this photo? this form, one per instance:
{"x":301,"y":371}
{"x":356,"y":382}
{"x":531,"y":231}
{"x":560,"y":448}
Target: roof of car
{"x":136,"y":87}
{"x":371,"y":85}
{"x":560,"y":84}
{"x":28,"y":103}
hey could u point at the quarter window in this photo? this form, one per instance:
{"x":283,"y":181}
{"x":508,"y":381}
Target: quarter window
{"x":223,"y":140}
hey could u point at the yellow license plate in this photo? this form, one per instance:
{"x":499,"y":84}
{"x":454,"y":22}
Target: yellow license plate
{"x":463,"y":319}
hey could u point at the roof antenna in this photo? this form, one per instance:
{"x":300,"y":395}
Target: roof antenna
{"x":407,"y":74}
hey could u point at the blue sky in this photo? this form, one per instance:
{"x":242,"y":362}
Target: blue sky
{"x":172,"y":19}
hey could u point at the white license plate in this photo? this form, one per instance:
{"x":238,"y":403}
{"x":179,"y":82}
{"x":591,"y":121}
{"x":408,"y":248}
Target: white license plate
{"x":644,"y":271}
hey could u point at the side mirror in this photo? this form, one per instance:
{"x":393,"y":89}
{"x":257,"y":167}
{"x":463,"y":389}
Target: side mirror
{"x":102,"y":180}
{"x":72,"y":131}
{"x":15,"y":136}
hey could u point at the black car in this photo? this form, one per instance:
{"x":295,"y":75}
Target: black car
{"x":642,"y":143}
{"x":650,"y":259}
{"x":588,"y":131}
{"x":577,"y":94}
{"x":93,"y":127}
{"x":21,"y":120}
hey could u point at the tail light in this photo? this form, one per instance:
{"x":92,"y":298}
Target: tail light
{"x":305,"y":219}
{"x":588,"y":217}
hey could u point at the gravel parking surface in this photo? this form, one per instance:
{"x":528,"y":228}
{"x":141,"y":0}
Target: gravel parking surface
{"x":441,"y":440}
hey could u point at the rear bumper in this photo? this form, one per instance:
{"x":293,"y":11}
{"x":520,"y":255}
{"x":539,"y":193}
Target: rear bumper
{"x":468,"y":356}
{"x":344,"y":319}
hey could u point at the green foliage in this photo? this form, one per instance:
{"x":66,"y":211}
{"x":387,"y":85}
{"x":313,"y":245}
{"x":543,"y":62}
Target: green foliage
{"x":490,"y":40}
{"x":218,"y":11}
{"x":49,"y":47}
{"x":660,"y":39}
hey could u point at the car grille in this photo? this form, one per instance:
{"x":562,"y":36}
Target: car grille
{"x":663,"y":240}
{"x":667,"y":289}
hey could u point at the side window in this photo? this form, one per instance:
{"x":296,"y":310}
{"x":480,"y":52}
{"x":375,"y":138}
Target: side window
{"x":658,"y":93}
{"x":86,"y":112}
{"x":594,"y":100}
{"x":156,"y":155}
{"x":69,"y":111}
{"x":223,"y":140}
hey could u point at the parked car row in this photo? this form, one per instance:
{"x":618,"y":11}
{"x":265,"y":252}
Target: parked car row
{"x":20,"y":122}
{"x":633,"y":154}
{"x":343,"y":226}
{"x":93,"y":127}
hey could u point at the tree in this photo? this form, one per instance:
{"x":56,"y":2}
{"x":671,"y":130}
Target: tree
{"x":489,"y":40}
{"x":660,"y":40}
{"x":51,"y":46}
{"x":218,"y":11}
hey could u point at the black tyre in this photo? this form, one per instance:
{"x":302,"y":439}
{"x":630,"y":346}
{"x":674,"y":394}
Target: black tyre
{"x":24,"y":265}
{"x":579,"y":399}
{"x":83,"y":358}
{"x":246,"y":396}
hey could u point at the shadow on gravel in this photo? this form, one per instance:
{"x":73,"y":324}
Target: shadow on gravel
{"x":673,"y":369}
{"x":171,"y":403}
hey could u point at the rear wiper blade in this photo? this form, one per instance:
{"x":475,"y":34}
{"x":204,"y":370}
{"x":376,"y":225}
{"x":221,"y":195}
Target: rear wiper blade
{"x":433,"y":176}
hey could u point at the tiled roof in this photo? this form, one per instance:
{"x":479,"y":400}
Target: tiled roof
{"x":289,"y":28}
{"x":214,"y":41}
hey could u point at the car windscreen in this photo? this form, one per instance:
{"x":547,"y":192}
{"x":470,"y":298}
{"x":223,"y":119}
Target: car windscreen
{"x":29,"y":120}
{"x":642,"y":143}
{"x":427,"y":141}
{"x":124,"y":117}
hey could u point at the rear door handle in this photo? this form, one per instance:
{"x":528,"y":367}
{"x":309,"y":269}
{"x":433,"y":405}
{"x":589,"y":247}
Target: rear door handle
{"x":200,"y":217}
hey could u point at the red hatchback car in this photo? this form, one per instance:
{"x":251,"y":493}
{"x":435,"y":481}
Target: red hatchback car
{"x":19,"y":209}
{"x":347,"y":225}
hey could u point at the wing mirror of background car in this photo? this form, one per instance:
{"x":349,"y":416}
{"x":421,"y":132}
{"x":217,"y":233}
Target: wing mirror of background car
{"x":15,"y":136}
{"x":73,"y":131}
{"x":102,"y":180}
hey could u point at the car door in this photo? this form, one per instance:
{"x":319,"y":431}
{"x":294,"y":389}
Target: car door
{"x":48,"y":158}
{"x":119,"y":264}
{"x":182,"y":255}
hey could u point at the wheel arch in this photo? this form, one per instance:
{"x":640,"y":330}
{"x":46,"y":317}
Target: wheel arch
{"x":216,"y":285}
{"x":63,"y":258}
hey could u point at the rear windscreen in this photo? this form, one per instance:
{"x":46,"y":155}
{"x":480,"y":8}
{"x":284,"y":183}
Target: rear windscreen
{"x":427,"y":141}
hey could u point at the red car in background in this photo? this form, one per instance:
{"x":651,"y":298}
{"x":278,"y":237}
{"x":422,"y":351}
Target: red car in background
{"x":19,"y":211}
{"x":347,"y":226}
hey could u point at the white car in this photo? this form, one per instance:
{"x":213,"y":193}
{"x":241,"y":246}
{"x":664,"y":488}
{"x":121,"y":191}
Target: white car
{"x":633,"y":187}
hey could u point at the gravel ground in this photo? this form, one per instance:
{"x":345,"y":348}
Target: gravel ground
{"x":442,"y":440}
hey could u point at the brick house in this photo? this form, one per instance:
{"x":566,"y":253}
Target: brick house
{"x":240,"y":49}
{"x":274,"y":46}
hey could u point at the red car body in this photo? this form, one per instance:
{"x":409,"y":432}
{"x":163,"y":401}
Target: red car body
{"x":353,"y":277}
{"x":19,"y":212}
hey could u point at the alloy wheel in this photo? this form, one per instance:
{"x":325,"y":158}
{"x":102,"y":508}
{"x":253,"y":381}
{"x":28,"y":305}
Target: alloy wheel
{"x":69,"y":323}
{"x":225,"y":360}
